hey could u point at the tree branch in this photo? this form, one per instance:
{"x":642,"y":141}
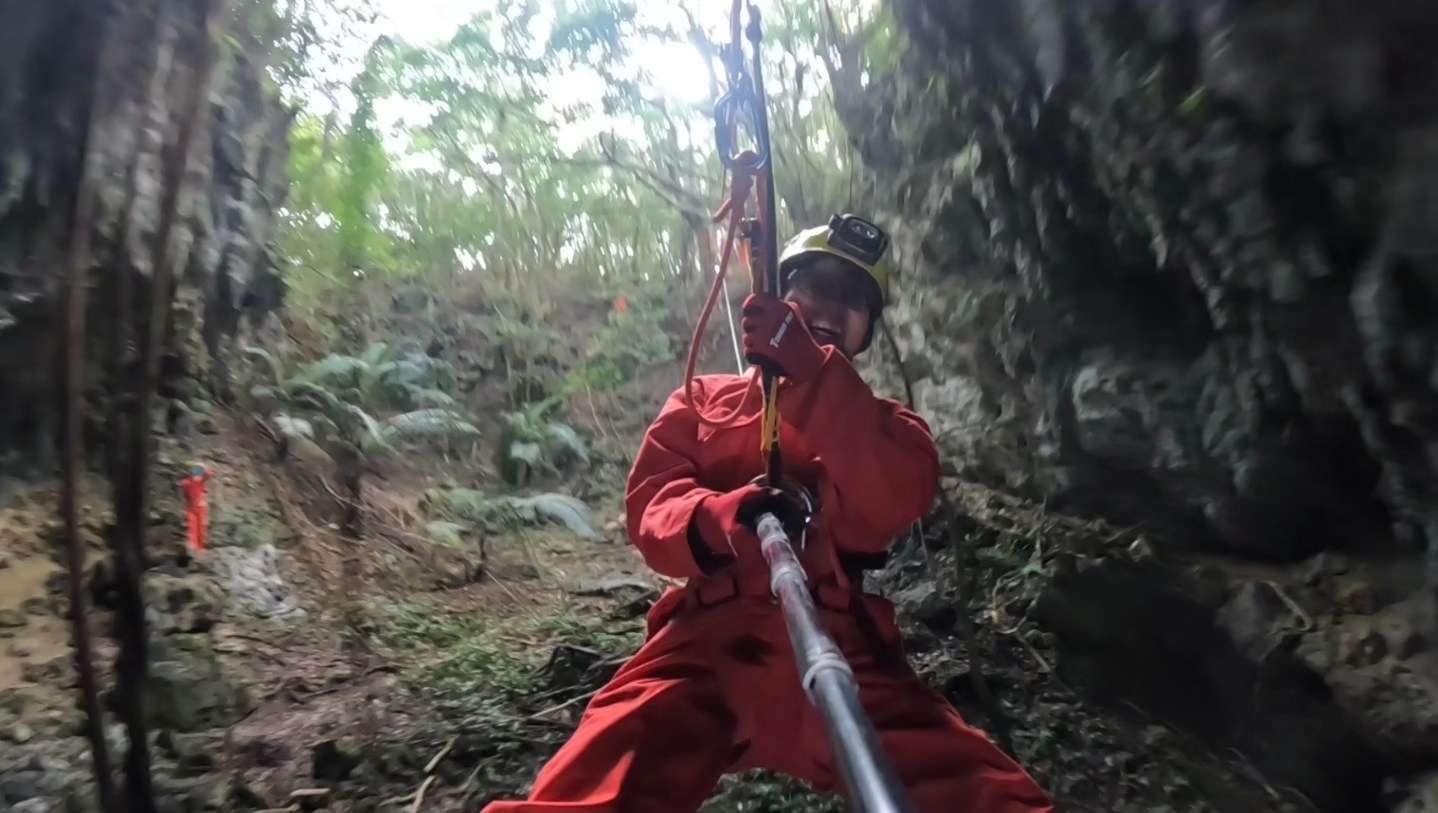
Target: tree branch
{"x":675,"y":195}
{"x":701,"y":41}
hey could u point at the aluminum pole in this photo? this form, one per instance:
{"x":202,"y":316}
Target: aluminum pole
{"x":828,"y":680}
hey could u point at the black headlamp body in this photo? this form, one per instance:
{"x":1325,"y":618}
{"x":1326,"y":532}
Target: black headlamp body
{"x":858,"y":238}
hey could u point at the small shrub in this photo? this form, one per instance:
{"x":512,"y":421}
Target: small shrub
{"x":533,"y":444}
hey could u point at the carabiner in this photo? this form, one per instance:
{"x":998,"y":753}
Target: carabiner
{"x":744,"y":94}
{"x":726,"y":121}
{"x":728,"y":112}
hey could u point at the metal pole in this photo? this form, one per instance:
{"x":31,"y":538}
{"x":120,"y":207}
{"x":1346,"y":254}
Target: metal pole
{"x":827,"y":678}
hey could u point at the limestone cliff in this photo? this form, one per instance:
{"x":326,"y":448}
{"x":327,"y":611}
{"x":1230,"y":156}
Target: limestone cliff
{"x":64,"y":96}
{"x":1171,"y":264}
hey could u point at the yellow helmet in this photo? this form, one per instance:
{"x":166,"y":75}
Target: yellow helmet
{"x":849,"y":238}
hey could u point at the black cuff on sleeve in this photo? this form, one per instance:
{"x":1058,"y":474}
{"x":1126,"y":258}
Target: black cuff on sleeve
{"x":704,"y":556}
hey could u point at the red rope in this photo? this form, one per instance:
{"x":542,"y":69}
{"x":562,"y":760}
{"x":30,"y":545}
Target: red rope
{"x":741,"y":184}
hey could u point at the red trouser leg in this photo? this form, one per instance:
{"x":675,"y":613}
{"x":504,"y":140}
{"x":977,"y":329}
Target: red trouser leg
{"x":196,"y":519}
{"x":944,"y":763}
{"x":655,"y":740}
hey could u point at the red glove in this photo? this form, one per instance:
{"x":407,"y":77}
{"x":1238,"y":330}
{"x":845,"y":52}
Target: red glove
{"x":775,"y":337}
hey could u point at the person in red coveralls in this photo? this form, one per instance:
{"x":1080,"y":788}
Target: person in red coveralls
{"x":197,"y":510}
{"x":714,"y":689}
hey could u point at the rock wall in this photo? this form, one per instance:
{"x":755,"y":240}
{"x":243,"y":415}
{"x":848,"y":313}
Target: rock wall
{"x":1171,"y":263}
{"x":50,"y":75}
{"x":1191,"y":239}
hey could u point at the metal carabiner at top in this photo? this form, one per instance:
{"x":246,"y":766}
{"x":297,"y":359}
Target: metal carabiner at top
{"x":728,"y":111}
{"x":746,"y":93}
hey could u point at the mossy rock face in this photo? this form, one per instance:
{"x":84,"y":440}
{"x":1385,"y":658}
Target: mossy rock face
{"x":183,"y":604}
{"x":246,"y":522}
{"x":190,"y":691}
{"x":58,"y":671}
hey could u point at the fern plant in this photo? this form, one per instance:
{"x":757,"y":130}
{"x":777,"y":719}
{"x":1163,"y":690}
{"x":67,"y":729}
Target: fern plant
{"x":386,"y":376}
{"x":499,"y":513}
{"x":433,"y":423}
{"x":333,"y":400}
{"x":531,"y":444}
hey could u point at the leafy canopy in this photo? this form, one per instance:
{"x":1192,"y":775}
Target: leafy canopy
{"x":541,"y":149}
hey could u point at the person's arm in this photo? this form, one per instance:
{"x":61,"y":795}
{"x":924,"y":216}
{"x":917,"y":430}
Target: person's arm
{"x":881,"y":467}
{"x":663,"y":497}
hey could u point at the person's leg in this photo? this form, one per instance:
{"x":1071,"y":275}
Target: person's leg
{"x":941,"y":760}
{"x":944,"y":763}
{"x":203,"y":523}
{"x":192,"y":529}
{"x":655,"y":740}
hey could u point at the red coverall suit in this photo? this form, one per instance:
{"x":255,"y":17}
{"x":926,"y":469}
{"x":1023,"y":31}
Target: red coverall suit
{"x":197,"y":510}
{"x":714,"y":689}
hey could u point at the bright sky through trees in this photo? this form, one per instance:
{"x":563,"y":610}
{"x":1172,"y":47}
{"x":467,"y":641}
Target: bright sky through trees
{"x":675,"y":69}
{"x":516,"y":146}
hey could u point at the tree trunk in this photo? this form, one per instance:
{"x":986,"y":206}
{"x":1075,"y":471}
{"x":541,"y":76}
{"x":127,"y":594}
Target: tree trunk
{"x":73,"y":467}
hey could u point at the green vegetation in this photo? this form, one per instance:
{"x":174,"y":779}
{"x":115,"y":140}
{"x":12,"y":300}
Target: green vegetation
{"x":533,"y":443}
{"x":539,"y":160}
{"x":470,"y":676}
{"x":498,"y":513}
{"x":334,"y":400}
{"x":528,"y":198}
{"x":334,"y":403}
{"x":483,"y":674}
{"x":384,"y":377}
{"x":765,"y":791}
{"x":469,"y":669}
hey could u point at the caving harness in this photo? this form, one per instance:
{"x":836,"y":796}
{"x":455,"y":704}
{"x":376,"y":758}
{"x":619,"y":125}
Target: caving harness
{"x":827,"y":678}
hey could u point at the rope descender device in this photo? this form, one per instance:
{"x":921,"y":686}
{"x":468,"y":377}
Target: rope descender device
{"x":760,"y":250}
